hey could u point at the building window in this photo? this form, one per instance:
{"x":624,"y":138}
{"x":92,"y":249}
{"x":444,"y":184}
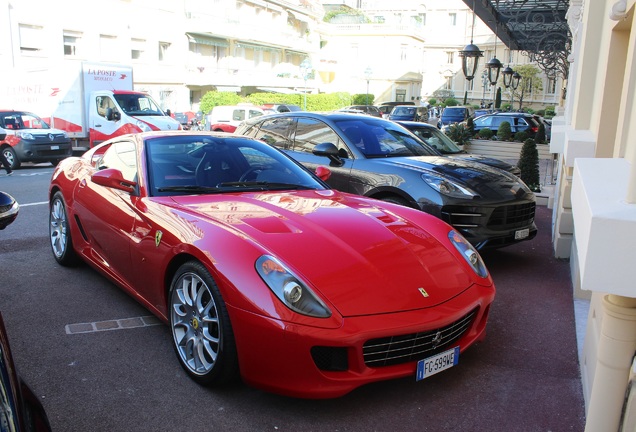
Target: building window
{"x":137,"y":49}
{"x":452,"y":17}
{"x":422,"y":18}
{"x":404,"y":49}
{"x":72,"y":41}
{"x":164,"y":48}
{"x":31,"y":38}
{"x":108,"y":47}
{"x":551,"y":87}
{"x":378,"y":19}
{"x":448,"y":83}
{"x":450,"y":57}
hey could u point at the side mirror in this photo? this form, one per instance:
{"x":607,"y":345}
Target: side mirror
{"x":323,"y":173}
{"x":169,"y":113}
{"x":113,"y":178}
{"x":8,"y":210}
{"x":112,"y":115}
{"x":329,"y":150}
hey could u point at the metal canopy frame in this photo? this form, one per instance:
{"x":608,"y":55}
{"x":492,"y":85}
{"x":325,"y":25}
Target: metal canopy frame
{"x":538,"y":28}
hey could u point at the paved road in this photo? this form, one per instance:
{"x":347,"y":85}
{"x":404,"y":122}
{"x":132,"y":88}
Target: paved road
{"x":524,"y":377}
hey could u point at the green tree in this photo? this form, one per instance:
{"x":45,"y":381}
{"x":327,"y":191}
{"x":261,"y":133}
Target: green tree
{"x":361,"y":99}
{"x":498,"y":98}
{"x":504,"y":133}
{"x":540,"y":137}
{"x":529,"y":165}
{"x":529,"y":83}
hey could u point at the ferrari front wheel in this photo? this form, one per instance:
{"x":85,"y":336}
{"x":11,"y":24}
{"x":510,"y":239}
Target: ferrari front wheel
{"x":201,"y":331}
{"x":60,"y":232}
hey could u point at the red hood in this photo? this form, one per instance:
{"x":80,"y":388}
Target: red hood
{"x":362,"y":258}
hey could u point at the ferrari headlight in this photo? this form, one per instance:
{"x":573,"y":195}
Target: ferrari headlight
{"x":469,"y":253}
{"x":447,"y":187}
{"x":289,"y":289}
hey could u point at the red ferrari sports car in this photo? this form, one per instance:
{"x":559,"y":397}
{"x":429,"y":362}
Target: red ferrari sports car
{"x":261,"y":270}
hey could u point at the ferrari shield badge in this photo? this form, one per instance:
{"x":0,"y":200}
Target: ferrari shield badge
{"x":423,"y":292}
{"x":158,"y":235}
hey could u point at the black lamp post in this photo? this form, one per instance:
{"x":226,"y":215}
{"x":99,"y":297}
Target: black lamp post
{"x":507,"y":76}
{"x":470,"y":54}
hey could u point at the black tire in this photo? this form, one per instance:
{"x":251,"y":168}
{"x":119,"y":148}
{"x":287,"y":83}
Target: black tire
{"x":60,"y":232}
{"x":11,"y":157}
{"x":202,"y":335}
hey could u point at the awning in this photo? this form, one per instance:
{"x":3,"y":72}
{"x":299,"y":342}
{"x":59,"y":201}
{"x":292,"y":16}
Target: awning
{"x":278,"y":90}
{"x":207,"y":40}
{"x":235,"y":89}
{"x":299,"y":16}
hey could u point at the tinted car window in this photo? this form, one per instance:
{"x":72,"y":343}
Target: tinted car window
{"x":310,"y":132}
{"x":276,"y":132}
{"x":122,"y":156}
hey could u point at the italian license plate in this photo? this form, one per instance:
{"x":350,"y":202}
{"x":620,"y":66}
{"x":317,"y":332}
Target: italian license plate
{"x":521,"y":234}
{"x":55,"y":147}
{"x":437,"y":363}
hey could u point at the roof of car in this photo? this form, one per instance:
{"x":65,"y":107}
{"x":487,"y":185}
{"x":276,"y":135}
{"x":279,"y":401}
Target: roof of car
{"x":327,"y":115}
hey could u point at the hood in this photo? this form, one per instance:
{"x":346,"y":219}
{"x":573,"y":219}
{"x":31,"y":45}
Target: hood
{"x":487,"y":182}
{"x":497,"y":163}
{"x":362,"y":258}
{"x":159,"y":122}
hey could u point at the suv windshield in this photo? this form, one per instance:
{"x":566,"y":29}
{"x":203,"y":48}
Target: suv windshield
{"x":381,"y":139}
{"x":14,"y":120}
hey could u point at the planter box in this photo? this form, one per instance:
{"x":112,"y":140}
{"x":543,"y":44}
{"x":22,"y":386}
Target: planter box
{"x":503,"y":149}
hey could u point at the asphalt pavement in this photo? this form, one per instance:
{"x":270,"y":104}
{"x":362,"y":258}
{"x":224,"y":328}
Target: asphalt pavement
{"x":525,"y":376}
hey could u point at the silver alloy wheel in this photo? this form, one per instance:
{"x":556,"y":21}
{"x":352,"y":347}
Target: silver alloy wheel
{"x":196,"y":329}
{"x":58,"y":227}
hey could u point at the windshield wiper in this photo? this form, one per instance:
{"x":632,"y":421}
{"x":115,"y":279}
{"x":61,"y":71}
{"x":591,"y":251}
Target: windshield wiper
{"x":263,"y":185}
{"x":190,"y":188}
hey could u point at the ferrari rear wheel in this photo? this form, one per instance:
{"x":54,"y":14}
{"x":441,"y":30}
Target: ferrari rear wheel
{"x":60,"y":232}
{"x":201,"y":331}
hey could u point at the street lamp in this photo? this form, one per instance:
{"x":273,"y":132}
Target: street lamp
{"x":367,"y":74}
{"x":494,"y":67}
{"x":305,"y":67}
{"x":470,"y":54}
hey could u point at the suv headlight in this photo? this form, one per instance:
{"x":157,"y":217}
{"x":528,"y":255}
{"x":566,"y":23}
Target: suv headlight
{"x":289,"y":289}
{"x":469,"y":253}
{"x":446,"y":186}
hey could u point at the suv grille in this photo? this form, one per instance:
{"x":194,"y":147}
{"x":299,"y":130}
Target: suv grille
{"x":416,"y":346}
{"x":512,"y":216}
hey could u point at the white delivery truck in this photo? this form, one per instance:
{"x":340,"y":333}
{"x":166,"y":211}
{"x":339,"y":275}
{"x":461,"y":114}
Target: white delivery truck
{"x":91,"y":101}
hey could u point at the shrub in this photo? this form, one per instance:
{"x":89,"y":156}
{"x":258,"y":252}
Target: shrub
{"x":529,"y":165}
{"x":432,"y":101}
{"x":540,"y":136}
{"x":459,"y":133}
{"x":540,"y":113}
{"x":504,"y":133}
{"x":361,"y":99}
{"x":471,"y":126}
{"x":450,"y":102}
{"x":485,"y":134}
{"x":521,"y":136}
{"x":214,"y":98}
{"x":549,"y":112}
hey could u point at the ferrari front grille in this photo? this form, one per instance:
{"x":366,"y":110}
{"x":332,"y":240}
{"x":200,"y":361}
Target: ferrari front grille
{"x":395,"y":350}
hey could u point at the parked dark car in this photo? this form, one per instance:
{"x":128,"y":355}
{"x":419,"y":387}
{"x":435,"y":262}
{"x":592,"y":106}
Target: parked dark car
{"x":380,"y":159}
{"x":519,"y":122}
{"x":482,"y":111}
{"x":20,"y":409}
{"x":280,"y":108}
{"x":409,"y":113}
{"x":455,"y":114}
{"x":386,"y":107}
{"x":445,"y":146}
{"x":371,"y":110}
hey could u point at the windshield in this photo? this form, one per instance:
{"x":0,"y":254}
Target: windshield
{"x":138,"y":104}
{"x":378,"y":138}
{"x":15,"y":120}
{"x":197,"y":164}
{"x":456,"y":112}
{"x":436,"y":139}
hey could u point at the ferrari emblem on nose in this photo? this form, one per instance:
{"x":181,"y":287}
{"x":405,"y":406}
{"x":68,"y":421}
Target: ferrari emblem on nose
{"x":158,"y":235}
{"x":423,"y":292}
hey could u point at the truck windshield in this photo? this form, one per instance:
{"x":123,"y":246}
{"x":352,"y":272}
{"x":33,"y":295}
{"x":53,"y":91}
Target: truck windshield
{"x":138,"y":104}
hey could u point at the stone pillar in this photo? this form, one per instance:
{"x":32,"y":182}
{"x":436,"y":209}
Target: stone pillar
{"x":616,"y":348}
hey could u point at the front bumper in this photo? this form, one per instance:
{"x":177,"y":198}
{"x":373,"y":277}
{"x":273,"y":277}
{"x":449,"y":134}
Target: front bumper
{"x":277,"y":356}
